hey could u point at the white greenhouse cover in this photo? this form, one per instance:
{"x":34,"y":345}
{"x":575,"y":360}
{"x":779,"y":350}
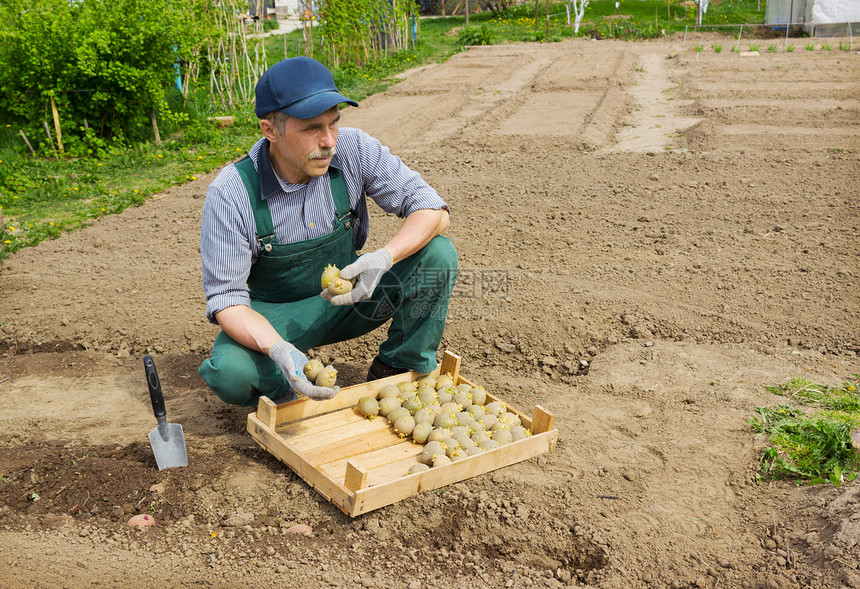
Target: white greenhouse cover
{"x":835,"y":11}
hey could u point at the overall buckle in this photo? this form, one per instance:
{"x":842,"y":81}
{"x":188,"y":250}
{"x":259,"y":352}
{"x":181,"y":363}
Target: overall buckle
{"x":265,"y":242}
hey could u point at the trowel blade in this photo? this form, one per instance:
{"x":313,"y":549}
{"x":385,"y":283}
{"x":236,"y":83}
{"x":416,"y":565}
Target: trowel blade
{"x":168,"y":445}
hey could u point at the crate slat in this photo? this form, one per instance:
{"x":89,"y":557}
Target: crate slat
{"x":311,"y":425}
{"x":352,"y":447}
{"x":347,"y":430}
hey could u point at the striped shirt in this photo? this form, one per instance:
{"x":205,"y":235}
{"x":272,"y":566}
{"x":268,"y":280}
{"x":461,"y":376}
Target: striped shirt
{"x":228,"y":244}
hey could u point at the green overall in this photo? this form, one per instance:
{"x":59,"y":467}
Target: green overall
{"x":284,"y":285}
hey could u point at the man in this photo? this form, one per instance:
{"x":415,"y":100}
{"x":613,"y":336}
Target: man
{"x":273,"y":221}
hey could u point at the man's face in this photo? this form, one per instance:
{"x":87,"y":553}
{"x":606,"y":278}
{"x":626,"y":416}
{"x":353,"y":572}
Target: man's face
{"x":306,"y":146}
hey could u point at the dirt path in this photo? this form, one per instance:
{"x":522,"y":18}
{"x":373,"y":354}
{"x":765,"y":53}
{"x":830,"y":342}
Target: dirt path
{"x":645,"y":244}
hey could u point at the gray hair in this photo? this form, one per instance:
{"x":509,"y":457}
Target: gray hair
{"x":278,"y":119}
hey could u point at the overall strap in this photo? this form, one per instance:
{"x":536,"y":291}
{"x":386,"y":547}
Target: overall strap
{"x":340,"y":195}
{"x":265,"y":227}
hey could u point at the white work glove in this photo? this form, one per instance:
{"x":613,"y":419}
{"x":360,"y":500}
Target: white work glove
{"x":369,"y":269}
{"x":292,"y":362}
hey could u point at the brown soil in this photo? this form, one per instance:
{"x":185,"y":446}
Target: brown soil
{"x":645,"y":244}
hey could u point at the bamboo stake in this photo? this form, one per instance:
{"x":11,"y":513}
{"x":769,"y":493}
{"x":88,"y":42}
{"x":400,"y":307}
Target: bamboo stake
{"x":50,"y":139}
{"x":155,"y":127}
{"x":546,"y":37}
{"x":57,"y":125}
{"x":33,"y":151}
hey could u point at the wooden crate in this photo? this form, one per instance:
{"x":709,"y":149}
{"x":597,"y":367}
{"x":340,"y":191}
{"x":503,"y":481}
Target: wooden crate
{"x":360,"y":464}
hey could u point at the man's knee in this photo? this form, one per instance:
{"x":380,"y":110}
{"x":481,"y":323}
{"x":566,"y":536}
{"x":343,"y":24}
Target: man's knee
{"x":232,"y":382}
{"x":440,"y":253}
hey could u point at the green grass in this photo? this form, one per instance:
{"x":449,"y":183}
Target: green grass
{"x":814,"y":448}
{"x":42,"y":197}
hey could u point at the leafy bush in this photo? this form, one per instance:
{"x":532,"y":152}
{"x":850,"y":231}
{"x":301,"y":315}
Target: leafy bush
{"x":106,"y":62}
{"x":476,"y":35}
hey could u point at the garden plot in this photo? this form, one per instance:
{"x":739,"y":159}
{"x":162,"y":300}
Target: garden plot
{"x":645,"y":298}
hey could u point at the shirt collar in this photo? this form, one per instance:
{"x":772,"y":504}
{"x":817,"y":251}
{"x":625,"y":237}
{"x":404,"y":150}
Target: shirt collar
{"x":270,"y":182}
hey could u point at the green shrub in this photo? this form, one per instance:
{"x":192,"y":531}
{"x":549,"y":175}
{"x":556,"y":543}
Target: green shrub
{"x":106,"y":62}
{"x":476,"y":35}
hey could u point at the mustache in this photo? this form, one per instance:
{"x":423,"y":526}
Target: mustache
{"x":323,"y":153}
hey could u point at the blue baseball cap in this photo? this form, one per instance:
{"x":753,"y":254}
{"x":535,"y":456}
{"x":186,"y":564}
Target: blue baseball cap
{"x":300,"y":87}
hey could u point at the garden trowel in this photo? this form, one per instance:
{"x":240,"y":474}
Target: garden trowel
{"x":167,"y":440}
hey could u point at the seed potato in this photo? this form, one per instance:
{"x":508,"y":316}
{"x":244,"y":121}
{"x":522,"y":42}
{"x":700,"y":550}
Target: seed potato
{"x":397,"y":413}
{"x":427,"y":381}
{"x":425,"y":415}
{"x":327,"y":377}
{"x":388,"y":404}
{"x":329,"y":273}
{"x":412,"y":404}
{"x":420,"y":432}
{"x":444,"y":381}
{"x":404,"y":425}
{"x":489,"y":444}
{"x":406,"y":386}
{"x":445,"y":395}
{"x":518,"y":433}
{"x":389,"y":391}
{"x":494,"y":408}
{"x":368,"y":406}
{"x":479,"y":396}
{"x":339,"y":286}
{"x":313,"y":368}
{"x":439,"y":434}
{"x":440,"y":460}
{"x":503,"y":436}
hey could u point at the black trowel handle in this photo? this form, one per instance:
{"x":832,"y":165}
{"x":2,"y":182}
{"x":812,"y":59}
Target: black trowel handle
{"x":154,"y":385}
